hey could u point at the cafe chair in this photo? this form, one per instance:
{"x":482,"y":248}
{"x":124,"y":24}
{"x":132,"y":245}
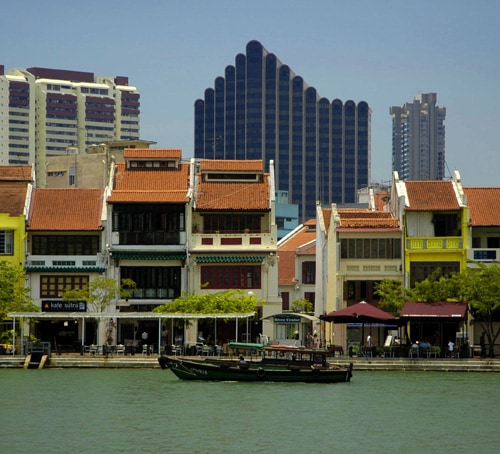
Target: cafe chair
{"x":93,"y":349}
{"x":144,"y":349}
{"x":120,"y":349}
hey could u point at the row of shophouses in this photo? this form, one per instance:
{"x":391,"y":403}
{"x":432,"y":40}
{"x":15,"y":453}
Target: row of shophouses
{"x":204,"y":226}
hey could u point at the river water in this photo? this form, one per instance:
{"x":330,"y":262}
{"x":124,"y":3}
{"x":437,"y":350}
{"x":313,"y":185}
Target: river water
{"x":151,"y":411}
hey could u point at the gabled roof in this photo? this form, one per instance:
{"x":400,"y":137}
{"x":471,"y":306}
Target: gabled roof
{"x":431,"y":196}
{"x":148,"y":153}
{"x":12,"y":199}
{"x":484,"y":206}
{"x":232,"y":194}
{"x":66,"y":210}
{"x":150,"y":185}
{"x":11,"y":173}
{"x":300,"y":242}
{"x":365,"y":220}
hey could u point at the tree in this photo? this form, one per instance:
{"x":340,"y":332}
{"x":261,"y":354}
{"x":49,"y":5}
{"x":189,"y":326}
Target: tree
{"x":14,"y":296}
{"x":391,"y":295}
{"x":226,"y":302}
{"x":98,"y":294}
{"x":482,"y":289}
{"x":302,"y":305}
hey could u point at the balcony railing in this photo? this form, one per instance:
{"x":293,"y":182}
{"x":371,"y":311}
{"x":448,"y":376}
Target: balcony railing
{"x":231,"y":240}
{"x":140,"y":237}
{"x":449,"y":243}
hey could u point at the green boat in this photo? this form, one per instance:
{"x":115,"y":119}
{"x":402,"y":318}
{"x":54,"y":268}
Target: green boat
{"x":277,"y":364}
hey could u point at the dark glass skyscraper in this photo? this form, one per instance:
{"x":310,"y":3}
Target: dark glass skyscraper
{"x":261,"y":110}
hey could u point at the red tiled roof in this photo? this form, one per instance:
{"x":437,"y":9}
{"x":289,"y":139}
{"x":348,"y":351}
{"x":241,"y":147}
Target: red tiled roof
{"x":66,"y":209}
{"x":150,"y":185}
{"x":484,"y":206}
{"x":440,"y":309}
{"x":431,"y":195}
{"x":148,"y":153}
{"x":286,"y":267}
{"x":15,"y":173}
{"x":254,"y":165}
{"x":327,"y":214}
{"x":304,"y":236}
{"x":233,"y":196}
{"x":12,"y":199}
{"x":366,"y":220}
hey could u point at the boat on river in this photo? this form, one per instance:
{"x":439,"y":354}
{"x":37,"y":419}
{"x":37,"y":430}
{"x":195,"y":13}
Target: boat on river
{"x":277,"y":363}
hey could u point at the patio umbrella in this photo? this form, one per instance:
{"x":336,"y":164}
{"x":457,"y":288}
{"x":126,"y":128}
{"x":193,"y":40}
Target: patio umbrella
{"x":362,"y":312}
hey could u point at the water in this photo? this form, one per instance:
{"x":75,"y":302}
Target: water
{"x":80,"y":411}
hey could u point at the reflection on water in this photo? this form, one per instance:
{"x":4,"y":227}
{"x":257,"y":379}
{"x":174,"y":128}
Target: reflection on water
{"x":76,"y":410}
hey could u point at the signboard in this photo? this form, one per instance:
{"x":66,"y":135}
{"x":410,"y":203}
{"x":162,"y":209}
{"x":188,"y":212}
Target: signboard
{"x":286,"y":318}
{"x":64,"y":306}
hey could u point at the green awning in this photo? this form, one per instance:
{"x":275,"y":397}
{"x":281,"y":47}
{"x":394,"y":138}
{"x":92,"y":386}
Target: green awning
{"x":148,"y":255}
{"x":70,"y":269}
{"x":229,"y":259}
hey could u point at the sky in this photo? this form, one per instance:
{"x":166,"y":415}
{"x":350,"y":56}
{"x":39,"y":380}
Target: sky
{"x":384,"y":52}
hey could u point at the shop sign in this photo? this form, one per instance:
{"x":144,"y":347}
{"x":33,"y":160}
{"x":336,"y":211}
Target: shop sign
{"x":64,"y":306}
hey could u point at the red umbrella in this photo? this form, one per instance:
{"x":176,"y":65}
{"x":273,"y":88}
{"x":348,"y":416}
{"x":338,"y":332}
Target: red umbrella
{"x":359,"y":313}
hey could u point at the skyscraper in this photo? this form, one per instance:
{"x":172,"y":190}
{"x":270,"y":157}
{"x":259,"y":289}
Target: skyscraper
{"x":418,"y":139}
{"x":50,"y":112}
{"x":261,"y":109}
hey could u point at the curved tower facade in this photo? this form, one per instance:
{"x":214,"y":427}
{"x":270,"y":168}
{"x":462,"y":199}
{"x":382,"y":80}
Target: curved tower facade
{"x":261,"y":109}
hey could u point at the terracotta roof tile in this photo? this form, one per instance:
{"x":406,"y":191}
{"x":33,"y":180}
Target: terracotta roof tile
{"x":231,"y":165}
{"x":66,"y":209}
{"x":234,"y":196}
{"x":12,"y":199}
{"x":431,"y":195}
{"x":484,"y":206}
{"x":16,"y":173}
{"x":147,"y":153}
{"x":366,"y":220}
{"x":286,"y":268}
{"x":150,"y":185}
{"x":304,"y":236}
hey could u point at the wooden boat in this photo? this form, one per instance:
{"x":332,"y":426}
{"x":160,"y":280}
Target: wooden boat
{"x":278,"y":364}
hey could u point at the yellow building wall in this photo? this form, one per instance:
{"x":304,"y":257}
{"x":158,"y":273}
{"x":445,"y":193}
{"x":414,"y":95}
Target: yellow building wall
{"x":17,"y":224}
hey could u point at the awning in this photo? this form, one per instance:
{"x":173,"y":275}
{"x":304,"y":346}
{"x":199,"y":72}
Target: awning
{"x":70,"y":269}
{"x":148,"y":255}
{"x":291,"y":317}
{"x":124,"y":315}
{"x":229,"y":259}
{"x":434,"y":310}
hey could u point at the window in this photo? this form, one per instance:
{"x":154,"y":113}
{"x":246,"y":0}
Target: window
{"x":65,"y":244}
{"x":227,"y":277}
{"x":370,"y":248}
{"x":154,"y":282}
{"x":6,"y":242}
{"x":308,"y":272}
{"x":55,"y":286}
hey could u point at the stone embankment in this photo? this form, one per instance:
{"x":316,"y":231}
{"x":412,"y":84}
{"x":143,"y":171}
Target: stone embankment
{"x":360,"y":364}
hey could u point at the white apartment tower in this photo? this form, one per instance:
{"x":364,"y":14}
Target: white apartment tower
{"x":52,"y":112}
{"x":418,"y":139}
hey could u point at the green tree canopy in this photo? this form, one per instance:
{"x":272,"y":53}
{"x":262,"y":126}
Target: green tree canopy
{"x":14,"y":296}
{"x":226,"y":302}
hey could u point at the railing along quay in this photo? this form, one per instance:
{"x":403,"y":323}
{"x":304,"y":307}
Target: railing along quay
{"x":360,"y":364}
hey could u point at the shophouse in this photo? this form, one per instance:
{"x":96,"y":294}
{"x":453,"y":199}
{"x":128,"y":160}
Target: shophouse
{"x":233,"y":238}
{"x":147,"y":239}
{"x":64,"y":251}
{"x":356,"y":248}
{"x":297,"y":280}
{"x":16,"y":183}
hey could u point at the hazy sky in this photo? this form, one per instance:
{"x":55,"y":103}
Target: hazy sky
{"x":379,"y":51}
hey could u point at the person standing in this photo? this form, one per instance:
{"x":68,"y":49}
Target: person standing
{"x":482,"y":343}
{"x":451,"y":347}
{"x":369,"y":340}
{"x":144,"y":338}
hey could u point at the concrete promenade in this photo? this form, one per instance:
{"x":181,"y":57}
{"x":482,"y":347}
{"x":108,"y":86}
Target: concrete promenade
{"x":366,"y":364}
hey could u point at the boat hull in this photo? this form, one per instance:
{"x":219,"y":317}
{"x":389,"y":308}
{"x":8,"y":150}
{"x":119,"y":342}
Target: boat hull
{"x":186,"y":369}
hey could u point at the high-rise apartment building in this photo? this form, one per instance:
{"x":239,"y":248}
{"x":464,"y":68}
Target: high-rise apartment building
{"x":261,"y":109}
{"x":418,"y":139}
{"x":52,"y":112}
